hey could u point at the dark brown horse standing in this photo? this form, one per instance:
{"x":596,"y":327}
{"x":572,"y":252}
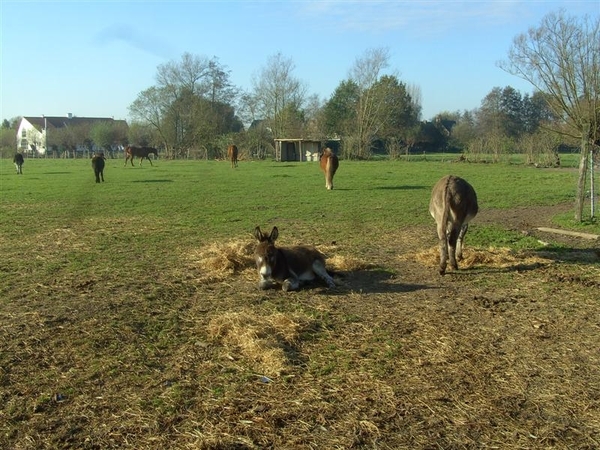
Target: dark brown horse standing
{"x":18,"y":160}
{"x":453,"y":204}
{"x":232,"y":155}
{"x":329,"y":165}
{"x":98,"y":166}
{"x":132,"y":151}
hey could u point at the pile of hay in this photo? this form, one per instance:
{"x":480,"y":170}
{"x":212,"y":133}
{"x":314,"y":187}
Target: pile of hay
{"x":492,"y":257}
{"x":263,"y":342}
{"x":341,"y":263}
{"x":220,"y":260}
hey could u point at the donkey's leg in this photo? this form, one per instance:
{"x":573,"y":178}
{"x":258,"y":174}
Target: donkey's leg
{"x":460,"y":240}
{"x":265,"y":283}
{"x":443,"y":245}
{"x":266,"y":280}
{"x":291,"y":284}
{"x":319,"y":269}
{"x":452,"y":239}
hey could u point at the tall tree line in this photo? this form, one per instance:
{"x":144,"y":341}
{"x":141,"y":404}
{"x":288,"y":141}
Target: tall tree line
{"x":189,"y":108}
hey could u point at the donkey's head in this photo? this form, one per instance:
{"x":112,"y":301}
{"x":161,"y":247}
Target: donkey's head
{"x":265,"y":252}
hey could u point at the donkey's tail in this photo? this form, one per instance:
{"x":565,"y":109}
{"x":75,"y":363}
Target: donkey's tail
{"x":446,"y":206}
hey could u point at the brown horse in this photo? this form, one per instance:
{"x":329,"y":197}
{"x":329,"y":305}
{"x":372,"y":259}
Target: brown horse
{"x":453,"y":204}
{"x":232,"y":155}
{"x":329,"y":165}
{"x":132,"y":151}
{"x":287,"y":266}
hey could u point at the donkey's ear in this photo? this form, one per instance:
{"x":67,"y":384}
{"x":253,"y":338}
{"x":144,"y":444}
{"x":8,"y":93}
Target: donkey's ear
{"x":274,"y":234}
{"x":258,"y":234}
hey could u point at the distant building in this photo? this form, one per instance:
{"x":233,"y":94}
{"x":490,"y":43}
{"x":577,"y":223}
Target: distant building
{"x":33,"y":132}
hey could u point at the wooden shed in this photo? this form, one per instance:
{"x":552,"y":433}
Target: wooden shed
{"x":297,"y":150}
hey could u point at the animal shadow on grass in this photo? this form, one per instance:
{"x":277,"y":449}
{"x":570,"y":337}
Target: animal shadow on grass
{"x":483,"y":269}
{"x":373,"y":281}
{"x":401,"y":188}
{"x":545,"y":257}
{"x":152,"y":181}
{"x":571,"y":255}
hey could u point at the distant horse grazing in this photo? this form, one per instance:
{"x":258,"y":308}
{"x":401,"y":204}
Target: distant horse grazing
{"x":287,"y":266}
{"x":98,"y":166}
{"x":453,"y":204}
{"x":232,"y":155}
{"x":18,"y":160}
{"x":132,"y":151}
{"x":329,"y":164}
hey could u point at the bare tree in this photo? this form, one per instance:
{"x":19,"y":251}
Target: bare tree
{"x":149,"y":108}
{"x":415,"y":93}
{"x":365,"y":73}
{"x":561,"y":58}
{"x":278,"y":95}
{"x":189,"y":107}
{"x":184,"y":76}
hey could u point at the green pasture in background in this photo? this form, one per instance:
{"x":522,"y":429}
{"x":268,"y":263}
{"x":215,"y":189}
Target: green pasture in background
{"x":180,"y":202}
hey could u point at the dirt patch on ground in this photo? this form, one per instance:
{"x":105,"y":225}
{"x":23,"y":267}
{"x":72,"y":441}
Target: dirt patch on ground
{"x":527,"y":220}
{"x":502,"y":353}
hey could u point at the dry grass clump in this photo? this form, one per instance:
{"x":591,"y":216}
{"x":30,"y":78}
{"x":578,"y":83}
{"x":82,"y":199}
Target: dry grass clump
{"x":220,"y":260}
{"x":347,"y":263}
{"x":492,"y":257}
{"x":264,"y":341}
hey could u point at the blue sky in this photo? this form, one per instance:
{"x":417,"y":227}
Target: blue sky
{"x":92,"y":58}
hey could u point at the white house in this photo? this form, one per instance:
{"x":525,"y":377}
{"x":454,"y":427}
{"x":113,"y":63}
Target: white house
{"x":33,"y":132}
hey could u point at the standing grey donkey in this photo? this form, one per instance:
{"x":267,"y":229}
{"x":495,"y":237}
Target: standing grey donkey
{"x":453,"y":204}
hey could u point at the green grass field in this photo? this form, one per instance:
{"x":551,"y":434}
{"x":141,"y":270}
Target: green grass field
{"x":130,"y":315}
{"x":209,"y":200}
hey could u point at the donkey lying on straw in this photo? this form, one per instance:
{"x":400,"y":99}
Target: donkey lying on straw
{"x":288,"y":266}
{"x":453,"y":204}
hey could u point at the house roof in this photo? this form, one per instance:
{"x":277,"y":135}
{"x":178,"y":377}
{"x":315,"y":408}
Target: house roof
{"x":63,"y":121}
